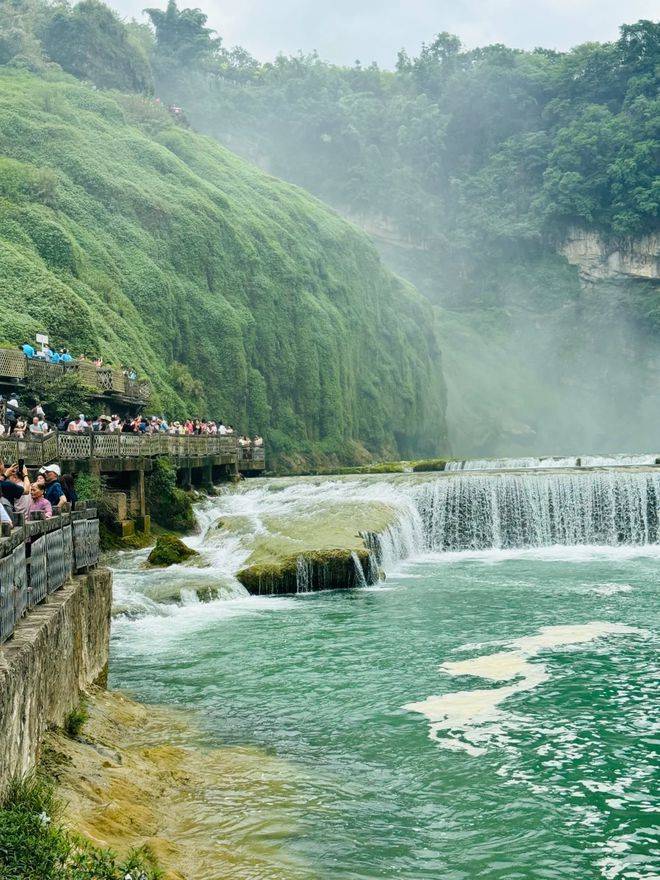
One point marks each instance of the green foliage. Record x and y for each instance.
(169, 550)
(76, 720)
(60, 393)
(169, 506)
(455, 145)
(239, 296)
(34, 843)
(89, 487)
(182, 38)
(91, 42)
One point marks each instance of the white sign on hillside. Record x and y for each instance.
(42, 338)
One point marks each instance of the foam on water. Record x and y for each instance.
(469, 720)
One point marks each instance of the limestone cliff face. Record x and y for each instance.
(612, 259)
(58, 650)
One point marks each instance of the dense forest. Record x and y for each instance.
(468, 167)
(125, 234)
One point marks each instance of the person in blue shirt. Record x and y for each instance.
(54, 357)
(28, 350)
(65, 357)
(54, 491)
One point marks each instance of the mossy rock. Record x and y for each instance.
(318, 569)
(430, 464)
(170, 550)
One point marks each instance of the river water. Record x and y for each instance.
(490, 710)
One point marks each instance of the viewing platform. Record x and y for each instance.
(120, 451)
(102, 382)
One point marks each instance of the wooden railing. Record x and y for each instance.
(38, 557)
(102, 380)
(36, 450)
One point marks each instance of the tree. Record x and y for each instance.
(182, 38)
(91, 42)
(61, 393)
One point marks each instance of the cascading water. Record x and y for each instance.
(360, 578)
(585, 461)
(517, 511)
(303, 575)
(502, 464)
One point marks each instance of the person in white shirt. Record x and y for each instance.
(221, 429)
(36, 426)
(81, 423)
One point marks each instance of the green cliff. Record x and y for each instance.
(125, 234)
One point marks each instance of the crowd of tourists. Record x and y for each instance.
(21, 424)
(49, 491)
(63, 356)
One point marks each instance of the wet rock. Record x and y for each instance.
(310, 571)
(170, 550)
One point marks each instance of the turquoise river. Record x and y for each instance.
(489, 710)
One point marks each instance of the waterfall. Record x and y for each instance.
(502, 511)
(360, 579)
(588, 461)
(303, 575)
(503, 464)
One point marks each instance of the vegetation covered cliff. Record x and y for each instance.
(125, 234)
(482, 175)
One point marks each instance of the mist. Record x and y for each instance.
(473, 170)
(375, 31)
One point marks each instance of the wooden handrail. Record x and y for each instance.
(38, 450)
(104, 380)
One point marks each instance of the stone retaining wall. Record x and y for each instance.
(57, 650)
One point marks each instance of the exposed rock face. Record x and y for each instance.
(58, 650)
(599, 258)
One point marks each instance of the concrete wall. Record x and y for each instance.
(56, 652)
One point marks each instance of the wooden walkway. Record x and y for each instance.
(101, 381)
(185, 451)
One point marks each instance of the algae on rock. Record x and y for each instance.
(170, 550)
(338, 569)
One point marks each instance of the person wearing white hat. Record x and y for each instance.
(54, 491)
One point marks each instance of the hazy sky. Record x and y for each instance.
(345, 30)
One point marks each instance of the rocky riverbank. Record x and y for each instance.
(131, 778)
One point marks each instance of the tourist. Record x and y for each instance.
(54, 492)
(38, 502)
(38, 410)
(5, 516)
(65, 357)
(244, 442)
(67, 481)
(10, 489)
(21, 479)
(257, 441)
(222, 430)
(28, 350)
(71, 427)
(36, 426)
(115, 424)
(19, 429)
